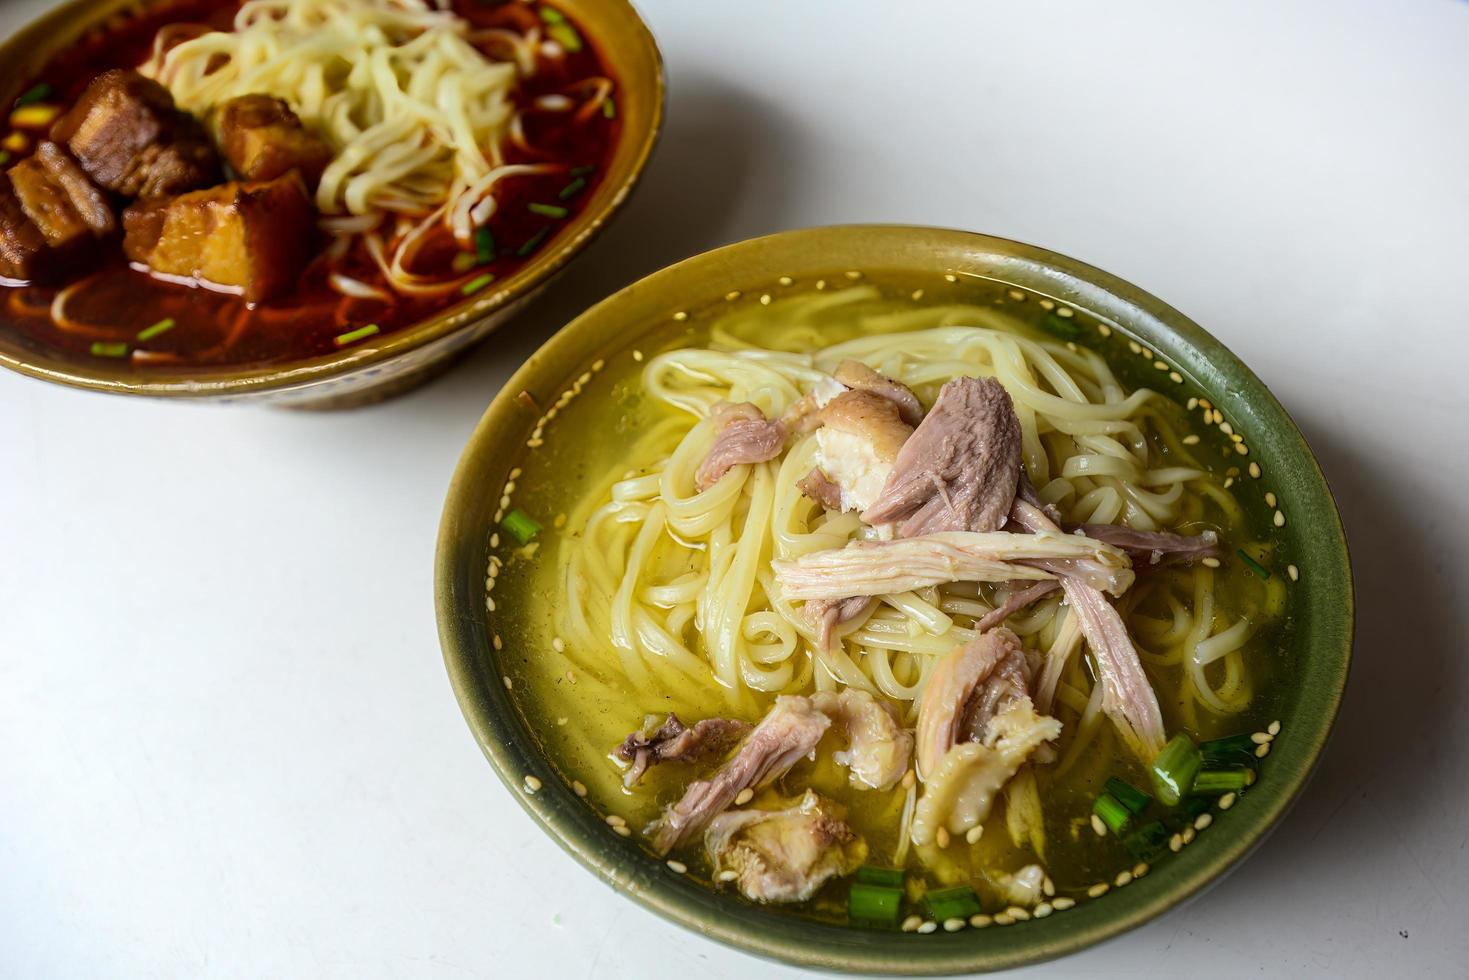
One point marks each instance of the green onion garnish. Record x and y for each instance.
(4, 157)
(1064, 327)
(477, 283)
(463, 262)
(885, 877)
(565, 35)
(103, 348)
(952, 903)
(521, 525)
(342, 340)
(1217, 782)
(1128, 795)
(1254, 566)
(1235, 750)
(1148, 841)
(548, 210)
(570, 189)
(873, 903)
(484, 244)
(1174, 770)
(532, 242)
(609, 108)
(552, 16)
(34, 94)
(583, 170)
(1112, 813)
(162, 326)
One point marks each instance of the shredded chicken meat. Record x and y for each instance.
(674, 742)
(784, 855)
(742, 434)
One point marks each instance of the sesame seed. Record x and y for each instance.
(490, 603)
(1203, 820)
(785, 280)
(508, 682)
(499, 644)
(1280, 518)
(728, 875)
(1228, 482)
(1098, 890)
(578, 787)
(1175, 377)
(559, 645)
(615, 821)
(951, 277)
(1193, 403)
(745, 796)
(1219, 419)
(1225, 427)
(1017, 296)
(532, 784)
(1260, 738)
(495, 540)
(1293, 572)
(1140, 870)
(562, 721)
(571, 677)
(1161, 366)
(853, 274)
(1269, 499)
(1206, 403)
(536, 442)
(1047, 304)
(1211, 562)
(677, 867)
(942, 837)
(1123, 879)
(637, 355)
(1190, 440)
(1175, 843)
(1048, 886)
(490, 583)
(979, 920)
(680, 316)
(910, 779)
(917, 294)
(973, 834)
(1017, 913)
(1065, 311)
(1188, 835)
(764, 299)
(1236, 437)
(1274, 727)
(1043, 909)
(927, 926)
(1227, 800)
(1098, 826)
(732, 295)
(1063, 903)
(912, 923)
(1104, 330)
(1004, 920)
(622, 831)
(598, 364)
(1134, 347)
(954, 925)
(821, 284)
(1262, 751)
(1255, 470)
(1242, 449)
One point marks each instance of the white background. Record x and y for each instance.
(227, 743)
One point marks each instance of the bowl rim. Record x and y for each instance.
(621, 864)
(231, 381)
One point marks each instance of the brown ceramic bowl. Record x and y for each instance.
(370, 371)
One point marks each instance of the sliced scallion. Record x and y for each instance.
(521, 525)
(583, 170)
(565, 35)
(484, 244)
(609, 108)
(1217, 782)
(352, 336)
(533, 241)
(1174, 770)
(952, 903)
(1148, 841)
(4, 157)
(1128, 795)
(552, 16)
(548, 210)
(570, 190)
(1112, 813)
(1253, 565)
(1233, 750)
(885, 877)
(105, 348)
(162, 326)
(36, 93)
(477, 283)
(873, 903)
(463, 262)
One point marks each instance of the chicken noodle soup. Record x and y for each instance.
(891, 601)
(215, 183)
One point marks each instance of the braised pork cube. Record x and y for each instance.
(129, 136)
(247, 237)
(51, 217)
(263, 139)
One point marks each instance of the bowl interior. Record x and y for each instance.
(625, 44)
(1311, 539)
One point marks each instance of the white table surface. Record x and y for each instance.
(228, 747)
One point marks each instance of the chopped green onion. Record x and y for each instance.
(552, 16)
(872, 903)
(162, 326)
(1217, 782)
(583, 170)
(548, 210)
(1112, 813)
(1128, 795)
(1148, 841)
(484, 244)
(1064, 327)
(952, 903)
(1174, 769)
(1235, 750)
(4, 157)
(521, 525)
(477, 283)
(609, 108)
(1255, 566)
(886, 877)
(463, 262)
(103, 348)
(565, 35)
(37, 93)
(351, 336)
(570, 189)
(532, 242)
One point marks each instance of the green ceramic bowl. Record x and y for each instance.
(369, 371)
(1311, 539)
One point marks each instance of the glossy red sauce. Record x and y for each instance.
(214, 329)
